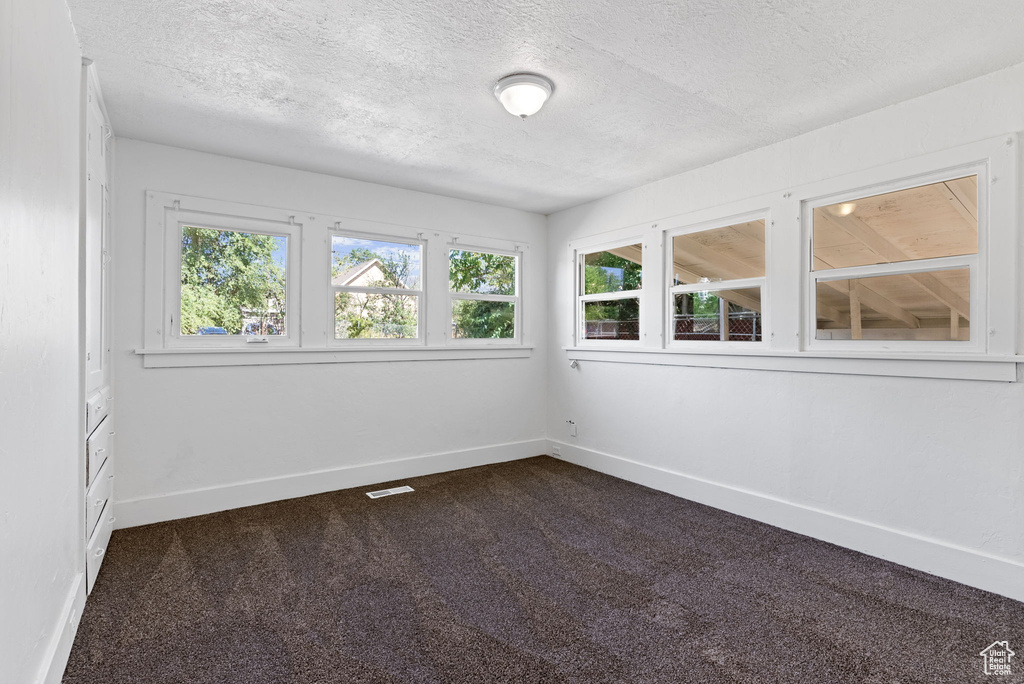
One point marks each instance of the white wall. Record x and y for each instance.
(41, 491)
(191, 440)
(927, 472)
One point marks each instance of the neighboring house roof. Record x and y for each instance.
(363, 271)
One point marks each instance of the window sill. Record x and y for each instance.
(189, 358)
(945, 366)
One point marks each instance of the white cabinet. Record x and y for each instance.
(95, 254)
(97, 497)
(99, 446)
(96, 549)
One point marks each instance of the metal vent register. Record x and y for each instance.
(388, 492)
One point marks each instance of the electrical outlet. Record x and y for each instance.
(555, 451)
(572, 427)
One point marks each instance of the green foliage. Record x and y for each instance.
(365, 316)
(481, 319)
(704, 306)
(227, 276)
(482, 273)
(607, 272)
(613, 310)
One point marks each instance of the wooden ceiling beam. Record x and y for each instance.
(969, 203)
(824, 311)
(943, 293)
(870, 299)
(629, 252)
(746, 301)
(881, 246)
(733, 267)
(956, 199)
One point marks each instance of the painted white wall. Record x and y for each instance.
(939, 460)
(41, 491)
(234, 428)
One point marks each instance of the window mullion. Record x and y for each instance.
(652, 296)
(484, 297)
(898, 268)
(718, 285)
(376, 290)
(607, 296)
(312, 245)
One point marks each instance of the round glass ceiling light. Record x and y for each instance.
(523, 94)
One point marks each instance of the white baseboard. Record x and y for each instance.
(143, 511)
(56, 659)
(936, 557)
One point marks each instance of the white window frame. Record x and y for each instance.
(717, 285)
(580, 252)
(310, 302)
(516, 299)
(421, 293)
(789, 297)
(972, 262)
(991, 304)
(164, 329)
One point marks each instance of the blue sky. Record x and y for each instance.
(281, 251)
(342, 246)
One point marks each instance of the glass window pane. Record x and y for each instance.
(926, 222)
(614, 270)
(725, 315)
(482, 272)
(232, 283)
(483, 319)
(728, 253)
(617, 319)
(916, 306)
(361, 315)
(356, 262)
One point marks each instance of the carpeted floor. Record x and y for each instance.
(532, 571)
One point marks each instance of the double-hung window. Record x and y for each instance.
(229, 280)
(483, 296)
(906, 269)
(376, 288)
(717, 282)
(239, 284)
(610, 286)
(899, 266)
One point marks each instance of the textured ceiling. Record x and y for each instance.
(399, 91)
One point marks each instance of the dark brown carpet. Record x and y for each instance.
(532, 571)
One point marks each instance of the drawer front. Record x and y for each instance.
(98, 449)
(96, 409)
(99, 496)
(97, 549)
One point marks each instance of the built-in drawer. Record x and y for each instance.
(99, 496)
(98, 448)
(97, 548)
(96, 408)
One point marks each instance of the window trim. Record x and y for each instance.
(580, 252)
(163, 325)
(421, 293)
(309, 299)
(761, 282)
(974, 262)
(788, 275)
(516, 299)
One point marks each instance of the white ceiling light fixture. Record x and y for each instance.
(523, 94)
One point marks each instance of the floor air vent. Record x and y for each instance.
(388, 492)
